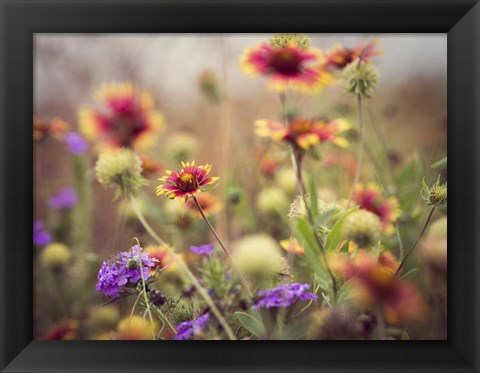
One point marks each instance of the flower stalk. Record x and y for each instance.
(224, 248)
(185, 269)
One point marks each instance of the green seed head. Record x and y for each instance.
(436, 195)
(361, 78)
(281, 40)
(121, 168)
(363, 228)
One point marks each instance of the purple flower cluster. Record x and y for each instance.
(122, 270)
(65, 198)
(202, 250)
(188, 329)
(75, 142)
(284, 295)
(41, 237)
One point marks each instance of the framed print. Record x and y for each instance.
(207, 194)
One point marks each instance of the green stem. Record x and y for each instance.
(242, 278)
(185, 269)
(427, 221)
(145, 298)
(360, 151)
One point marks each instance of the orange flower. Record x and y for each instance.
(304, 133)
(187, 182)
(63, 330)
(126, 118)
(289, 65)
(339, 56)
(374, 285)
(209, 203)
(150, 167)
(55, 128)
(369, 197)
(292, 245)
(161, 253)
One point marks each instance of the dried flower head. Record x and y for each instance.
(284, 39)
(361, 78)
(121, 168)
(186, 182)
(362, 227)
(436, 195)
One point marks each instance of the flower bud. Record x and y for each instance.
(436, 195)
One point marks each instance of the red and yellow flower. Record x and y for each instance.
(373, 285)
(127, 117)
(55, 128)
(292, 245)
(339, 56)
(289, 65)
(186, 182)
(209, 203)
(304, 133)
(369, 197)
(150, 167)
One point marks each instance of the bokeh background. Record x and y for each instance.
(409, 108)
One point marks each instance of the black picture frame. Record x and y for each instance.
(20, 19)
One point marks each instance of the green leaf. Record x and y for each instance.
(441, 164)
(326, 215)
(296, 330)
(250, 323)
(344, 293)
(312, 252)
(335, 235)
(376, 249)
(410, 274)
(344, 248)
(313, 197)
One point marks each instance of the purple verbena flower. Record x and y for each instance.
(41, 237)
(64, 199)
(284, 295)
(124, 269)
(75, 142)
(188, 329)
(202, 250)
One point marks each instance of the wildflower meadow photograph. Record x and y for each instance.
(280, 186)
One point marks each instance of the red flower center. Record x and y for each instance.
(285, 61)
(126, 128)
(187, 182)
